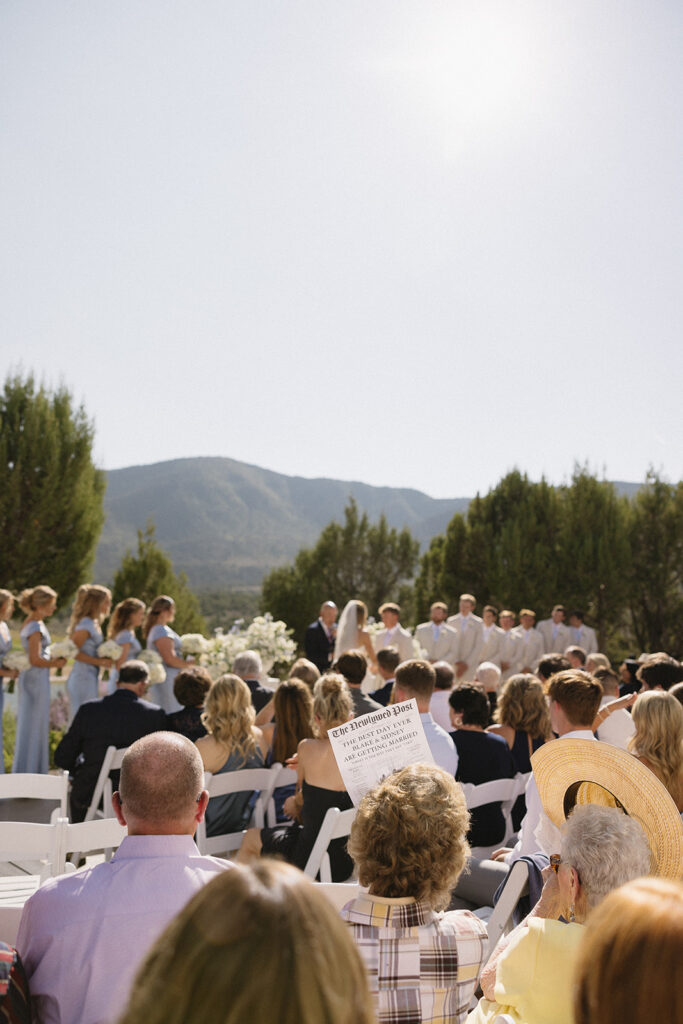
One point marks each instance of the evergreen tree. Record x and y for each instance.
(149, 573)
(51, 494)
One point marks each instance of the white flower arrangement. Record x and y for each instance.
(62, 649)
(272, 639)
(110, 649)
(219, 653)
(155, 665)
(16, 660)
(193, 644)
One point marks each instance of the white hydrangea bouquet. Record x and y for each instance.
(109, 649)
(193, 645)
(62, 649)
(219, 653)
(272, 639)
(155, 665)
(17, 660)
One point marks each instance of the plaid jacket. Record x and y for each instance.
(422, 966)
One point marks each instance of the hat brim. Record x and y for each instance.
(562, 768)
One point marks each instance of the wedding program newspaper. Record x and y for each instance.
(369, 748)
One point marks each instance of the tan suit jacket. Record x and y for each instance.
(491, 645)
(510, 651)
(470, 641)
(584, 637)
(443, 649)
(400, 639)
(530, 648)
(563, 636)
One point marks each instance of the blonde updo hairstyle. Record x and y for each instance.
(34, 598)
(229, 715)
(5, 597)
(332, 703)
(409, 836)
(90, 602)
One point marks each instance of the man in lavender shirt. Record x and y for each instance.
(83, 936)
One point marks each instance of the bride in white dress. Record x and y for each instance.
(352, 635)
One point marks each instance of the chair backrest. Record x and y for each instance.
(283, 777)
(85, 836)
(261, 780)
(28, 841)
(515, 887)
(30, 786)
(103, 788)
(336, 824)
(503, 791)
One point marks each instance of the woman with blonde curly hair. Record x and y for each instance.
(255, 944)
(233, 743)
(523, 720)
(658, 739)
(409, 845)
(319, 787)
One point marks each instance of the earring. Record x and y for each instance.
(572, 918)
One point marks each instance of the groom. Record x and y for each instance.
(319, 637)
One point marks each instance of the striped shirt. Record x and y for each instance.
(422, 966)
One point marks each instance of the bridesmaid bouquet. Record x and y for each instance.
(18, 661)
(193, 644)
(155, 664)
(109, 649)
(62, 649)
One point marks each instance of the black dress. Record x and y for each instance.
(483, 757)
(294, 842)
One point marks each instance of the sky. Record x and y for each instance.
(411, 244)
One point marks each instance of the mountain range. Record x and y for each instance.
(226, 523)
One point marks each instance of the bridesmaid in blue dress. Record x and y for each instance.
(32, 750)
(92, 604)
(161, 638)
(6, 609)
(125, 619)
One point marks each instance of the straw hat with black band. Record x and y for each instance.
(572, 771)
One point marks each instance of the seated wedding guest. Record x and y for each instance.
(628, 676)
(549, 665)
(257, 944)
(388, 660)
(301, 669)
(488, 676)
(596, 661)
(353, 665)
(293, 723)
(409, 847)
(576, 656)
(233, 743)
(522, 719)
(249, 667)
(659, 672)
(415, 679)
(82, 935)
(658, 739)
(319, 787)
(677, 692)
(114, 721)
(15, 1001)
(530, 973)
(615, 725)
(444, 682)
(482, 757)
(634, 937)
(190, 688)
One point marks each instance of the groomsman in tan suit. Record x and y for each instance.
(531, 641)
(582, 636)
(510, 650)
(393, 634)
(437, 640)
(468, 627)
(556, 635)
(492, 636)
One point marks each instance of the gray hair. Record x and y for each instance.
(248, 665)
(488, 675)
(606, 847)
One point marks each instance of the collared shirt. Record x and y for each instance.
(422, 966)
(440, 743)
(83, 936)
(527, 842)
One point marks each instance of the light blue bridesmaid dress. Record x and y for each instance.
(5, 648)
(125, 636)
(32, 750)
(82, 683)
(162, 693)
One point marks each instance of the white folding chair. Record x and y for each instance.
(103, 787)
(83, 837)
(503, 791)
(34, 849)
(261, 780)
(30, 786)
(283, 777)
(336, 824)
(500, 921)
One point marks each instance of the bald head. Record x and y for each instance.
(161, 778)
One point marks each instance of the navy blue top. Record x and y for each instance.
(483, 757)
